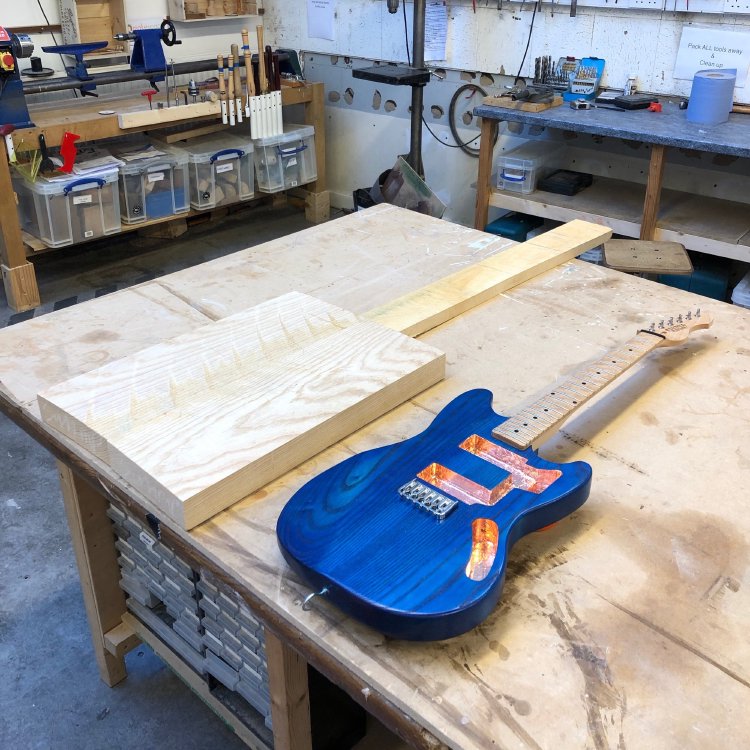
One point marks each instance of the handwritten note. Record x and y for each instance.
(703, 48)
(321, 15)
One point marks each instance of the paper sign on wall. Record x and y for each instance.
(436, 31)
(703, 48)
(320, 19)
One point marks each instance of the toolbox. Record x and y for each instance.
(220, 169)
(518, 170)
(65, 211)
(286, 160)
(584, 81)
(565, 182)
(153, 183)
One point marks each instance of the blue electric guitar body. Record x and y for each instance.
(393, 563)
(413, 538)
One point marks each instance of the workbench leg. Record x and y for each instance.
(486, 147)
(290, 700)
(19, 278)
(94, 547)
(653, 191)
(317, 201)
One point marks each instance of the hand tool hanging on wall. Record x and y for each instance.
(222, 92)
(230, 89)
(237, 82)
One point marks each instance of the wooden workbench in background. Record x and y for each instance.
(82, 116)
(625, 625)
(657, 186)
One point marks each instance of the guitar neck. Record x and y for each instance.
(538, 421)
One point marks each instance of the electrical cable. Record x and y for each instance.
(52, 34)
(465, 147)
(528, 42)
(406, 34)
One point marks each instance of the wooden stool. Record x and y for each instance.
(647, 257)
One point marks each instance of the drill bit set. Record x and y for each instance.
(578, 78)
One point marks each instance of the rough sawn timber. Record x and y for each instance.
(200, 421)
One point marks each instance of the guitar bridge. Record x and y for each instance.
(428, 499)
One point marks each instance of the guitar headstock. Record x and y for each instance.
(675, 330)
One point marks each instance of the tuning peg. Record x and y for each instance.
(661, 324)
(671, 322)
(689, 315)
(679, 318)
(698, 313)
(652, 326)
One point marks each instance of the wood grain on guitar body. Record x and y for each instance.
(413, 538)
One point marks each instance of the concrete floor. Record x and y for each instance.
(50, 692)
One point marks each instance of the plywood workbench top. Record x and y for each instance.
(625, 625)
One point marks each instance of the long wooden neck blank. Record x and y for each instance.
(541, 419)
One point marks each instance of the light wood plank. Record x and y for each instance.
(437, 303)
(653, 191)
(198, 422)
(290, 700)
(486, 145)
(145, 117)
(92, 536)
(121, 640)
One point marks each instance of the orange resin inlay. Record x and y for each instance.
(462, 488)
(484, 540)
(523, 476)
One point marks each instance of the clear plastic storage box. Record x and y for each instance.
(741, 293)
(518, 170)
(220, 169)
(152, 187)
(287, 160)
(60, 213)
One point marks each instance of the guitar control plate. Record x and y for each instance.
(428, 499)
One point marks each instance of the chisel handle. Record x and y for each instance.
(261, 61)
(250, 77)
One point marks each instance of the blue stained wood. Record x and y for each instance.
(397, 567)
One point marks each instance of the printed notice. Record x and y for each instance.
(702, 48)
(435, 31)
(320, 19)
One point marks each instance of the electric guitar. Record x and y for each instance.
(413, 538)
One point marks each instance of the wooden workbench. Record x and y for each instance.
(657, 188)
(625, 625)
(81, 116)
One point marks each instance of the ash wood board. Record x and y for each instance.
(199, 422)
(418, 312)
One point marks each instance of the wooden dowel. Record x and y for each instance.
(249, 77)
(261, 61)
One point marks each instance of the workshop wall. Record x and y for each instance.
(365, 140)
(361, 145)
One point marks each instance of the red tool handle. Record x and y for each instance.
(149, 93)
(68, 151)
